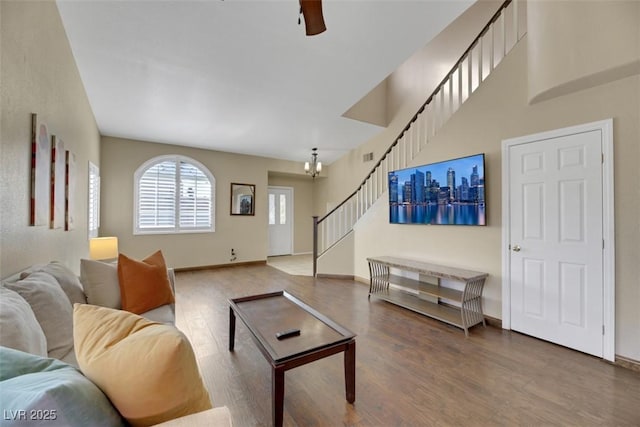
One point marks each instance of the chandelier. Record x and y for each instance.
(314, 167)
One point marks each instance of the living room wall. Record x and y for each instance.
(247, 235)
(39, 75)
(500, 110)
(406, 89)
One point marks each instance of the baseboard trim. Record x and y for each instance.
(213, 267)
(625, 362)
(361, 279)
(334, 276)
(493, 321)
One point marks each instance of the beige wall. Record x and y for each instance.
(405, 91)
(497, 111)
(339, 260)
(39, 75)
(569, 49)
(247, 235)
(303, 187)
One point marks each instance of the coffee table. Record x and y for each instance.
(267, 314)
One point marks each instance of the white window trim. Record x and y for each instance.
(174, 230)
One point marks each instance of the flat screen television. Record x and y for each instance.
(451, 192)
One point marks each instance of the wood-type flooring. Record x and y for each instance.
(410, 370)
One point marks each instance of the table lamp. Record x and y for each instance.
(103, 248)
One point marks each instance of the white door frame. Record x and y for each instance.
(608, 221)
(291, 211)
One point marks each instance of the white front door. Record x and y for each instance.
(556, 239)
(280, 220)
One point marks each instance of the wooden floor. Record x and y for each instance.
(410, 370)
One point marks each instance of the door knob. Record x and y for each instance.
(516, 248)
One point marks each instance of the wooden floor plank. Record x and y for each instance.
(410, 370)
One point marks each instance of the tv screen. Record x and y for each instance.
(450, 193)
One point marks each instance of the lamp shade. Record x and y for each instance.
(103, 248)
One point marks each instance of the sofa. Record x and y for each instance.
(69, 350)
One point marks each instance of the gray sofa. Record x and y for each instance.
(36, 315)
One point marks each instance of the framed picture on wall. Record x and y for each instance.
(242, 199)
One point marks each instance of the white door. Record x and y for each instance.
(556, 240)
(280, 220)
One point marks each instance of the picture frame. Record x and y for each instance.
(243, 199)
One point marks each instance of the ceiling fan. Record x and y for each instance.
(313, 19)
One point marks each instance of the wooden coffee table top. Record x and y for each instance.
(266, 314)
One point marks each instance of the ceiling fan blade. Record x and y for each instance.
(313, 19)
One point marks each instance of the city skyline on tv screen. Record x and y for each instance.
(450, 192)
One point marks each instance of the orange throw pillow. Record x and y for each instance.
(144, 285)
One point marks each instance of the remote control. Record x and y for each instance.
(287, 334)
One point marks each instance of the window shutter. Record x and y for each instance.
(195, 197)
(174, 194)
(94, 200)
(157, 197)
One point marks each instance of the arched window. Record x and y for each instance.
(173, 194)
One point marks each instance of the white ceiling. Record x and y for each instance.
(240, 75)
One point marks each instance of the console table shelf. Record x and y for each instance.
(426, 298)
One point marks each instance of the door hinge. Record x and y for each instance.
(602, 329)
(602, 158)
(602, 243)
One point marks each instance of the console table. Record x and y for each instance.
(427, 298)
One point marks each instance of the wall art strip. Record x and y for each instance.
(58, 173)
(70, 191)
(40, 176)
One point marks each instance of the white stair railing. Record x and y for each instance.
(495, 41)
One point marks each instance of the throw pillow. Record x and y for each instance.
(19, 328)
(40, 391)
(100, 282)
(147, 369)
(51, 308)
(67, 280)
(144, 285)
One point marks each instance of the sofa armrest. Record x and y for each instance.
(213, 417)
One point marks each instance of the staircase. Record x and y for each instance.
(495, 41)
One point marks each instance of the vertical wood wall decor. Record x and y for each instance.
(40, 175)
(70, 189)
(58, 172)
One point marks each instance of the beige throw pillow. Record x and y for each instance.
(51, 308)
(147, 369)
(100, 282)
